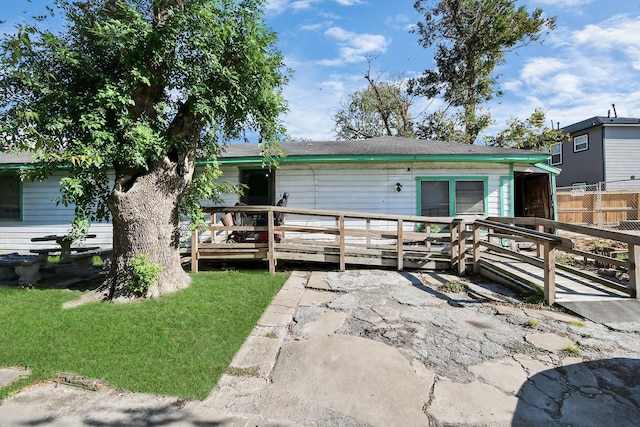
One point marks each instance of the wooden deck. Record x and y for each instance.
(393, 241)
(313, 235)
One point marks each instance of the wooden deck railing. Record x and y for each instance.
(343, 238)
(401, 241)
(546, 235)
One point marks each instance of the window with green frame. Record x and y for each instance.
(451, 196)
(10, 197)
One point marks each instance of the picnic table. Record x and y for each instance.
(65, 242)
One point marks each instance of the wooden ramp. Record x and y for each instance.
(578, 294)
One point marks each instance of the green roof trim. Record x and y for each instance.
(476, 158)
(546, 167)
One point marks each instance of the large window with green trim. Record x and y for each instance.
(9, 197)
(451, 196)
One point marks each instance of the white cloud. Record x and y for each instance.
(315, 27)
(280, 6)
(400, 22)
(564, 3)
(587, 70)
(348, 2)
(354, 47)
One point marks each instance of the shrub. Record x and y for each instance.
(143, 274)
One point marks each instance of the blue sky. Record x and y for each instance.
(592, 59)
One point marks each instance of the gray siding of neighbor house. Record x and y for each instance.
(622, 160)
(583, 166)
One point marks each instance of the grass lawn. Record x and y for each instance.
(176, 345)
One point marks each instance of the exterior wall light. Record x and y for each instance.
(398, 187)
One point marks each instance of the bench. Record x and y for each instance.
(83, 260)
(25, 267)
(44, 254)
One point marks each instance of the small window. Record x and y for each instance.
(9, 198)
(581, 143)
(435, 198)
(469, 197)
(579, 185)
(556, 154)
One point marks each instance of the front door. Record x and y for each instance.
(259, 186)
(533, 195)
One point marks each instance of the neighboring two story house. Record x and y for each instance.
(599, 149)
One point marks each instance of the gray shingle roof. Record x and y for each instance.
(381, 146)
(601, 121)
(16, 158)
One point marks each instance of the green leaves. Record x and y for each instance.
(471, 39)
(138, 84)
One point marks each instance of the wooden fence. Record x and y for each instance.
(611, 207)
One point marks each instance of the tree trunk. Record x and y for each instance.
(145, 221)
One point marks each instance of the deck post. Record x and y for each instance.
(476, 248)
(454, 236)
(341, 236)
(271, 251)
(194, 251)
(549, 273)
(634, 270)
(539, 245)
(399, 245)
(462, 247)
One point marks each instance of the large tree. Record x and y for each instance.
(531, 133)
(471, 38)
(140, 88)
(382, 108)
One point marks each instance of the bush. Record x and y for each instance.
(143, 274)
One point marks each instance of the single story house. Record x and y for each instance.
(381, 175)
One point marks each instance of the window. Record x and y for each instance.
(435, 198)
(556, 154)
(579, 185)
(469, 197)
(9, 197)
(580, 143)
(452, 196)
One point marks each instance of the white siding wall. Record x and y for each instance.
(622, 151)
(371, 188)
(348, 187)
(41, 217)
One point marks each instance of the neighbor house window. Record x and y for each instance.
(581, 143)
(452, 196)
(9, 197)
(556, 154)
